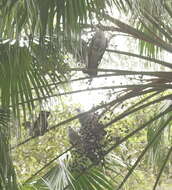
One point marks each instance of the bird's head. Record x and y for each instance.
(99, 33)
(69, 128)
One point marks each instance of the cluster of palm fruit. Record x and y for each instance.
(90, 138)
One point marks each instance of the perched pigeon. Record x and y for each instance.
(82, 52)
(84, 117)
(96, 50)
(74, 138)
(41, 124)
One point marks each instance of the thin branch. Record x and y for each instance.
(77, 79)
(144, 100)
(23, 142)
(133, 106)
(114, 171)
(119, 72)
(125, 28)
(164, 63)
(156, 86)
(132, 86)
(124, 114)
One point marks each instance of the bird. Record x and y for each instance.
(81, 117)
(28, 126)
(73, 136)
(84, 118)
(82, 52)
(41, 124)
(96, 51)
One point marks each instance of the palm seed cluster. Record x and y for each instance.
(89, 140)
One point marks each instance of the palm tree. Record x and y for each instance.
(33, 38)
(35, 34)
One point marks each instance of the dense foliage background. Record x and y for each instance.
(41, 64)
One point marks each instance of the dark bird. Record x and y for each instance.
(84, 117)
(41, 124)
(82, 52)
(96, 50)
(28, 126)
(74, 138)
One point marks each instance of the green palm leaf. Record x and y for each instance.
(62, 177)
(7, 173)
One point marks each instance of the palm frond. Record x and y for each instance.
(7, 173)
(158, 149)
(162, 168)
(62, 177)
(25, 76)
(144, 151)
(46, 17)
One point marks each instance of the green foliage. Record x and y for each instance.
(37, 39)
(46, 17)
(24, 75)
(61, 177)
(7, 173)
